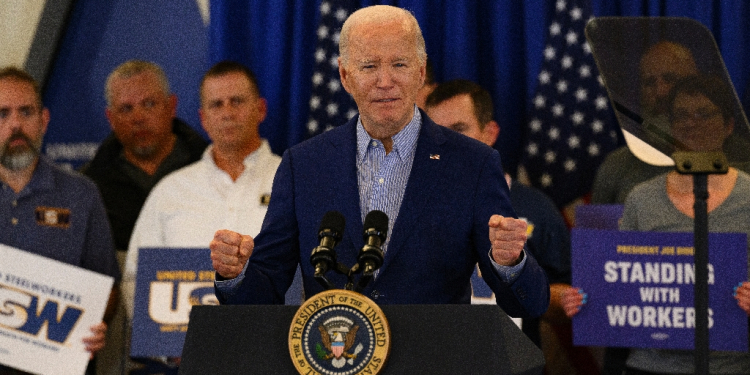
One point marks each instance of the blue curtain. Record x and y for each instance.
(497, 43)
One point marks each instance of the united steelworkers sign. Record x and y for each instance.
(46, 309)
(169, 282)
(640, 288)
(339, 332)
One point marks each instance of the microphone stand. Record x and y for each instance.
(700, 165)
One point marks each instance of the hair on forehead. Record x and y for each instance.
(382, 14)
(480, 98)
(225, 67)
(133, 68)
(712, 87)
(20, 75)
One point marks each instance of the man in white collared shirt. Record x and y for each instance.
(230, 186)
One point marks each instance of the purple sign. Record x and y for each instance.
(599, 216)
(640, 289)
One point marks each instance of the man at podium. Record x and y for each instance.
(444, 193)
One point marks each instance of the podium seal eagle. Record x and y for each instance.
(339, 332)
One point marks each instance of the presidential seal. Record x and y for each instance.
(339, 332)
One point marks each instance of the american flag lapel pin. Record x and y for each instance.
(435, 156)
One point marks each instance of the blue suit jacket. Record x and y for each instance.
(440, 234)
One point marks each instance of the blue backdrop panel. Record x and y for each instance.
(102, 35)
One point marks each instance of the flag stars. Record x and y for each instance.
(334, 86)
(554, 29)
(566, 62)
(312, 126)
(597, 126)
(532, 149)
(314, 102)
(325, 8)
(577, 118)
(332, 109)
(351, 113)
(550, 156)
(554, 133)
(322, 32)
(562, 86)
(341, 15)
(600, 102)
(576, 14)
(317, 79)
(320, 55)
(334, 61)
(549, 53)
(593, 149)
(571, 38)
(584, 71)
(586, 48)
(544, 77)
(560, 5)
(535, 125)
(569, 165)
(558, 109)
(581, 94)
(539, 101)
(545, 180)
(574, 142)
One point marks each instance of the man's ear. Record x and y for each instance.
(344, 75)
(490, 133)
(172, 103)
(45, 120)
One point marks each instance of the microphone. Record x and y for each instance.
(330, 233)
(376, 229)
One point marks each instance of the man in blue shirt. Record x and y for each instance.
(443, 193)
(46, 210)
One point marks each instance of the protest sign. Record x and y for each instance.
(640, 288)
(47, 307)
(169, 282)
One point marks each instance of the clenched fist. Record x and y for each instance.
(508, 236)
(229, 252)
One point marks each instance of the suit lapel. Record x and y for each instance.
(347, 186)
(425, 173)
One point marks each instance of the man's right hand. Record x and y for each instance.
(229, 252)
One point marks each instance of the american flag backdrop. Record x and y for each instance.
(330, 104)
(571, 126)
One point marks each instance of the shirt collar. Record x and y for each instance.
(43, 178)
(249, 160)
(404, 141)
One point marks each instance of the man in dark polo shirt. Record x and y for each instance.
(44, 209)
(147, 143)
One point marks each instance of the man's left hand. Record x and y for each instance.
(96, 341)
(508, 236)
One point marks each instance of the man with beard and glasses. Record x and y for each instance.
(81, 235)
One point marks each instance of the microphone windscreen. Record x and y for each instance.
(334, 221)
(379, 221)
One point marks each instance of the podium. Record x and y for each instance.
(426, 339)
